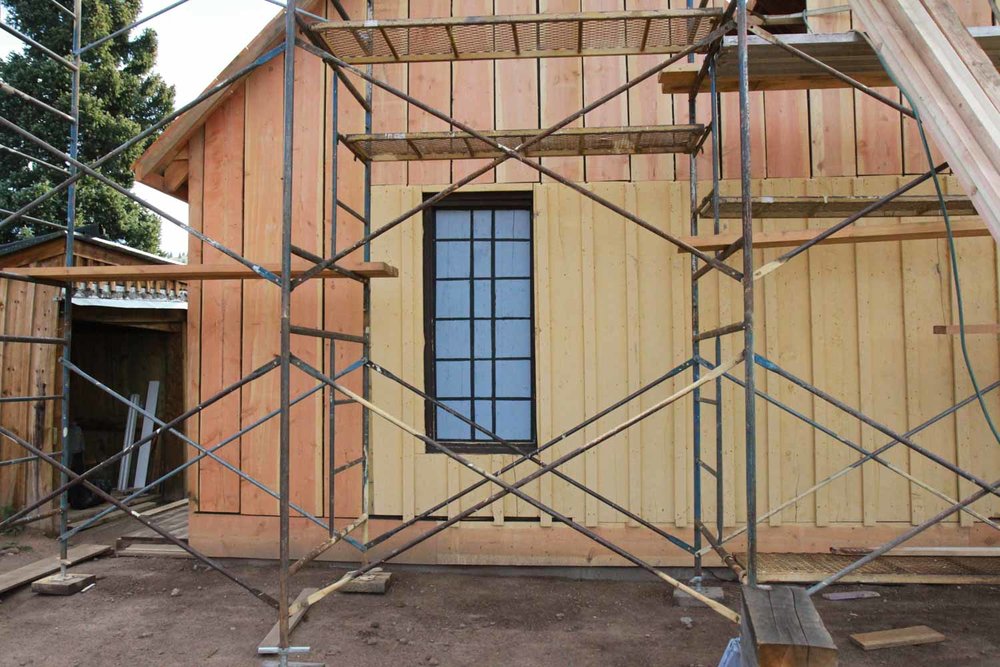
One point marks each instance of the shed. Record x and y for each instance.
(125, 335)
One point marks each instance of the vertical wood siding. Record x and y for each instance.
(613, 304)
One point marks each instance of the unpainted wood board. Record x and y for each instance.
(516, 96)
(601, 76)
(393, 112)
(610, 366)
(28, 573)
(430, 83)
(16, 358)
(269, 644)
(192, 327)
(261, 302)
(561, 93)
(221, 306)
(647, 107)
(472, 92)
(787, 124)
(831, 112)
(835, 338)
(307, 418)
(911, 636)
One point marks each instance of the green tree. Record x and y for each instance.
(120, 96)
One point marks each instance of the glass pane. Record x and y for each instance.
(482, 265)
(514, 420)
(482, 224)
(452, 259)
(484, 299)
(453, 379)
(451, 340)
(513, 224)
(513, 379)
(483, 417)
(513, 259)
(452, 224)
(513, 298)
(513, 338)
(452, 299)
(484, 379)
(483, 347)
(450, 427)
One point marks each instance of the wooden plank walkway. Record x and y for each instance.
(23, 576)
(810, 568)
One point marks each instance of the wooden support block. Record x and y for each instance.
(373, 583)
(269, 645)
(912, 636)
(34, 571)
(58, 584)
(780, 627)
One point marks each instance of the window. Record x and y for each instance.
(479, 321)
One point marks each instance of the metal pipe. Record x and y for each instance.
(515, 488)
(857, 414)
(32, 158)
(695, 345)
(29, 399)
(508, 152)
(225, 464)
(128, 28)
(143, 441)
(41, 47)
(47, 223)
(285, 430)
(866, 456)
(215, 448)
(716, 177)
(142, 136)
(107, 497)
(67, 314)
(496, 439)
(76, 164)
(23, 459)
(677, 370)
(366, 299)
(331, 508)
(329, 335)
(911, 533)
(830, 231)
(719, 332)
(335, 537)
(750, 444)
(34, 340)
(837, 74)
(727, 558)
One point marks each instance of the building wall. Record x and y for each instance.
(612, 307)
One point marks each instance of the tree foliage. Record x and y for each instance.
(120, 95)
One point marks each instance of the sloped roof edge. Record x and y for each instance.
(150, 167)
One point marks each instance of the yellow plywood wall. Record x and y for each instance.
(613, 311)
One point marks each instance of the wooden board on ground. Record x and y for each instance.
(373, 583)
(173, 520)
(154, 551)
(912, 636)
(269, 645)
(34, 571)
(781, 627)
(889, 569)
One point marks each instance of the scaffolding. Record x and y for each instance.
(353, 47)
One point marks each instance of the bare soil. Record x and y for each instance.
(131, 619)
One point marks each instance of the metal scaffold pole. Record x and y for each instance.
(750, 415)
(74, 148)
(284, 443)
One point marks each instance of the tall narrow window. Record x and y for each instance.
(480, 347)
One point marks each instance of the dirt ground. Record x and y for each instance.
(130, 618)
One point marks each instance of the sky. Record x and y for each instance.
(197, 40)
